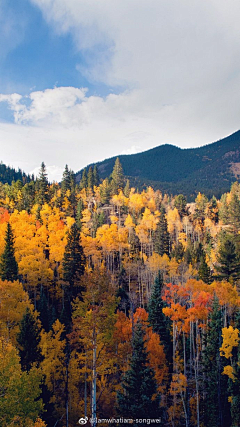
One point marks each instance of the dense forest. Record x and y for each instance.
(8, 174)
(118, 306)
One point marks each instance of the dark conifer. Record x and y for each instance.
(215, 406)
(234, 213)
(117, 176)
(138, 399)
(42, 186)
(44, 311)
(74, 259)
(73, 268)
(105, 191)
(127, 189)
(84, 181)
(204, 271)
(180, 203)
(28, 341)
(161, 235)
(8, 263)
(159, 322)
(95, 176)
(66, 180)
(90, 178)
(80, 207)
(228, 267)
(234, 386)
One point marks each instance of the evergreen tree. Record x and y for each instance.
(215, 406)
(74, 259)
(84, 181)
(28, 341)
(234, 386)
(223, 211)
(8, 263)
(138, 399)
(229, 262)
(156, 318)
(95, 176)
(161, 235)
(80, 207)
(44, 311)
(117, 176)
(178, 251)
(90, 178)
(234, 213)
(212, 210)
(42, 186)
(73, 268)
(66, 180)
(180, 203)
(105, 190)
(127, 189)
(204, 271)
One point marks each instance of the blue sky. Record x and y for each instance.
(82, 80)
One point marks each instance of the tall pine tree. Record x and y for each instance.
(28, 341)
(215, 406)
(139, 397)
(228, 267)
(73, 268)
(117, 176)
(161, 235)
(159, 322)
(42, 186)
(8, 263)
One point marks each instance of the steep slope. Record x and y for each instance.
(210, 169)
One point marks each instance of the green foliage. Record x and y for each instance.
(19, 391)
(8, 263)
(138, 399)
(161, 235)
(42, 195)
(159, 322)
(28, 341)
(95, 176)
(234, 213)
(215, 406)
(73, 269)
(84, 182)
(74, 260)
(204, 271)
(174, 170)
(44, 311)
(7, 175)
(228, 260)
(180, 203)
(90, 181)
(117, 176)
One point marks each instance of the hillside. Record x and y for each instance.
(210, 169)
(8, 174)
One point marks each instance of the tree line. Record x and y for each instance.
(116, 303)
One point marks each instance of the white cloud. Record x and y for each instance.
(178, 62)
(54, 173)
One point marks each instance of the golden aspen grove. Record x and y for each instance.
(118, 306)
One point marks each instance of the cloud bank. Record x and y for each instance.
(173, 68)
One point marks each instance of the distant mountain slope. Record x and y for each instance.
(8, 174)
(210, 169)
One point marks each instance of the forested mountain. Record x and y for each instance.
(118, 304)
(210, 169)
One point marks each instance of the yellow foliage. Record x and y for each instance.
(230, 340)
(229, 371)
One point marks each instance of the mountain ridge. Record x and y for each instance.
(211, 168)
